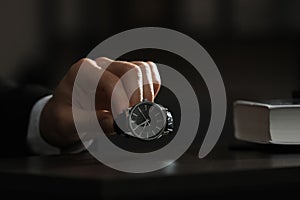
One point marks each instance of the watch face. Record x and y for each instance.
(147, 120)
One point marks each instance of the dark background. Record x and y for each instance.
(254, 43)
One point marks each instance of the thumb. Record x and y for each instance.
(85, 122)
(106, 121)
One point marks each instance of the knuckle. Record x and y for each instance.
(83, 61)
(103, 59)
(137, 70)
(151, 63)
(75, 68)
(87, 66)
(152, 66)
(155, 72)
(108, 82)
(79, 63)
(131, 67)
(145, 66)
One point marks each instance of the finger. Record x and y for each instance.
(155, 77)
(111, 93)
(130, 75)
(89, 73)
(148, 91)
(106, 121)
(91, 76)
(85, 120)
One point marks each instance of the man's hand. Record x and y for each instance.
(142, 81)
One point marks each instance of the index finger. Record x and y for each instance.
(155, 77)
(130, 75)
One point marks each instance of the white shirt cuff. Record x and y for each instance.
(34, 139)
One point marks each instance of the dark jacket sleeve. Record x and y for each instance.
(16, 104)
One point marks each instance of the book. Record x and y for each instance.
(274, 121)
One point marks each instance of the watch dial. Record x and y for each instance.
(147, 120)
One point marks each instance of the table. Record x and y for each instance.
(227, 172)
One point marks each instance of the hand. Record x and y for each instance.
(56, 123)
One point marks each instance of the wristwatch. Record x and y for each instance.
(145, 121)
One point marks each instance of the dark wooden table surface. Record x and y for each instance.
(227, 172)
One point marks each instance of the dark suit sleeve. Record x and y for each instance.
(16, 104)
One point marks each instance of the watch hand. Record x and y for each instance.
(142, 130)
(141, 124)
(142, 113)
(148, 124)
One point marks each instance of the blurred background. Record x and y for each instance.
(255, 43)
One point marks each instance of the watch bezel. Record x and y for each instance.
(163, 111)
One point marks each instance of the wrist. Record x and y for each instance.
(35, 142)
(53, 128)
